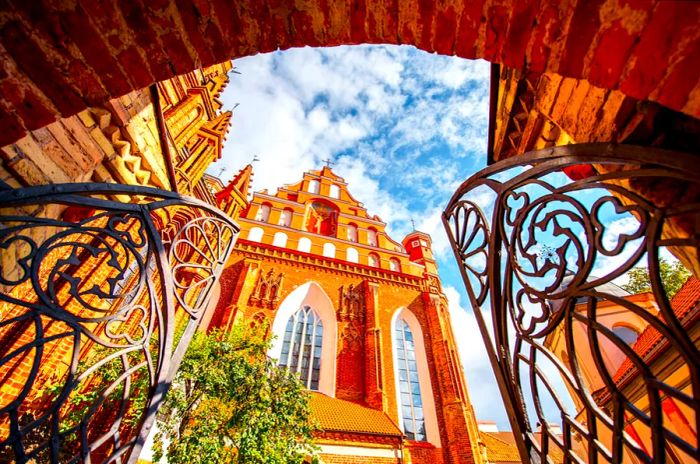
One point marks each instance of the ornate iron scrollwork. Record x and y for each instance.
(541, 265)
(98, 302)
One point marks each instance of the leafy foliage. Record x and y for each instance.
(673, 276)
(230, 403)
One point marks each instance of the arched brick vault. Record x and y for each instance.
(59, 56)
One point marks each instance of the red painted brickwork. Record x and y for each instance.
(61, 56)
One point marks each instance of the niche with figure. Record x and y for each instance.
(322, 218)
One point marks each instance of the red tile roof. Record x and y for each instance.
(334, 415)
(500, 450)
(682, 303)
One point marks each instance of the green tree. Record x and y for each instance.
(673, 276)
(230, 403)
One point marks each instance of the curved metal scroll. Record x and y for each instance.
(588, 372)
(95, 296)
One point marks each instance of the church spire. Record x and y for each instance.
(243, 179)
(220, 124)
(240, 184)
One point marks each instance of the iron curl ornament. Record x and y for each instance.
(587, 371)
(101, 289)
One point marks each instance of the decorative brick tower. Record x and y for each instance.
(359, 316)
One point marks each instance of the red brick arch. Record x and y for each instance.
(59, 57)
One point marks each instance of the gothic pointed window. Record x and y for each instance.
(409, 385)
(301, 348)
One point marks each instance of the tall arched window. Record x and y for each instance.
(373, 260)
(409, 385)
(417, 415)
(301, 348)
(352, 232)
(309, 330)
(335, 191)
(263, 212)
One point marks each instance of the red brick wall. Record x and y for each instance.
(59, 57)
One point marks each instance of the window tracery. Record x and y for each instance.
(301, 348)
(409, 385)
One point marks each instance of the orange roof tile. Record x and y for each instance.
(682, 303)
(501, 448)
(334, 415)
(498, 450)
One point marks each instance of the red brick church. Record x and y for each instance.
(361, 318)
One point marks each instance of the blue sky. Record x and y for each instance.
(403, 127)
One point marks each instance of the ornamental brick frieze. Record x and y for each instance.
(351, 303)
(267, 289)
(292, 259)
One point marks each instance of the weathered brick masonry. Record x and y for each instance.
(59, 57)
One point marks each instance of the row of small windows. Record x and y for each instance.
(301, 353)
(322, 219)
(315, 188)
(329, 251)
(263, 215)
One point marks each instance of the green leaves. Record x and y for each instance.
(230, 403)
(673, 276)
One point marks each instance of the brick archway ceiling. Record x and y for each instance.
(63, 56)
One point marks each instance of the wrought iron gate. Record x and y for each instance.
(101, 287)
(588, 372)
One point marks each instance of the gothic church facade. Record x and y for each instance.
(360, 317)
